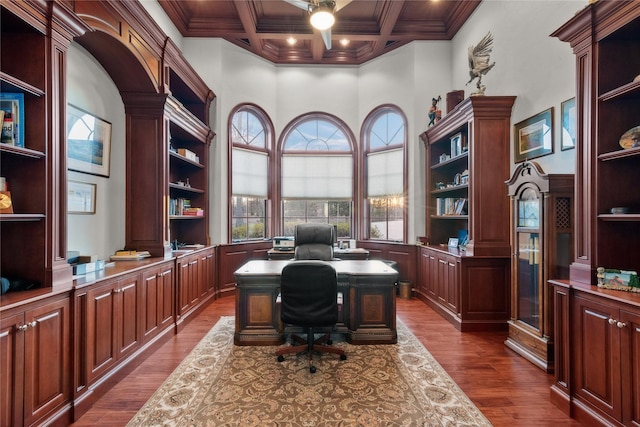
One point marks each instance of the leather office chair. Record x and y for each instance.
(314, 241)
(308, 291)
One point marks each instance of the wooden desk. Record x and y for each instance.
(367, 316)
(344, 254)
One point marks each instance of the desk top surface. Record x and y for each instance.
(336, 251)
(360, 267)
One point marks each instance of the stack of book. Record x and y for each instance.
(193, 211)
(130, 255)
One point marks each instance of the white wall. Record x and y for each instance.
(538, 69)
(90, 88)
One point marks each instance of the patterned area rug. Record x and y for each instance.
(378, 385)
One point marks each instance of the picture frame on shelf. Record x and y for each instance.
(533, 137)
(12, 112)
(88, 142)
(453, 242)
(568, 116)
(456, 144)
(81, 197)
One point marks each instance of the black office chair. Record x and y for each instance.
(308, 292)
(314, 241)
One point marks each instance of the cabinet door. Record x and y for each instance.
(452, 282)
(596, 370)
(630, 358)
(11, 370)
(127, 316)
(157, 297)
(47, 373)
(187, 283)
(101, 346)
(423, 277)
(432, 290)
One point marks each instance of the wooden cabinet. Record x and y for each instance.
(113, 324)
(35, 361)
(595, 330)
(541, 229)
(599, 358)
(195, 281)
(467, 158)
(158, 298)
(32, 236)
(605, 37)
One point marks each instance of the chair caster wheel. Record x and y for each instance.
(312, 369)
(280, 358)
(343, 357)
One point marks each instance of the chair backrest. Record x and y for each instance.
(314, 241)
(308, 291)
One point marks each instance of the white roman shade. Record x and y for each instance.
(385, 173)
(250, 173)
(317, 176)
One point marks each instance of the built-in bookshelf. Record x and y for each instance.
(464, 265)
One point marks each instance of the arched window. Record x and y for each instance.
(385, 136)
(250, 142)
(317, 173)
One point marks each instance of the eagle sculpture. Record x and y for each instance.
(479, 62)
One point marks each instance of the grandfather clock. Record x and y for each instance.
(542, 249)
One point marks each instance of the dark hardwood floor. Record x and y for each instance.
(508, 389)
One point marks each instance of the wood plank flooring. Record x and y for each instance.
(508, 389)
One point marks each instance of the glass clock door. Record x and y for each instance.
(528, 255)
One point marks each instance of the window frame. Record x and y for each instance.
(281, 152)
(268, 129)
(367, 127)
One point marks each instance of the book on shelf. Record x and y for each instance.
(451, 206)
(130, 255)
(12, 105)
(193, 212)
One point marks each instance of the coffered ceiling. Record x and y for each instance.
(370, 27)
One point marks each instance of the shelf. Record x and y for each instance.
(452, 161)
(629, 90)
(620, 217)
(8, 80)
(619, 154)
(185, 160)
(185, 189)
(450, 217)
(187, 217)
(21, 217)
(451, 189)
(21, 151)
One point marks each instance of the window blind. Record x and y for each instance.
(317, 176)
(250, 173)
(384, 173)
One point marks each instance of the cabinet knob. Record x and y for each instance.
(612, 321)
(621, 325)
(32, 324)
(23, 327)
(117, 291)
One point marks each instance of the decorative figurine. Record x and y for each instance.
(435, 113)
(479, 62)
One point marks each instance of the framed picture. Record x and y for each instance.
(81, 197)
(534, 137)
(456, 145)
(88, 142)
(568, 115)
(12, 118)
(453, 242)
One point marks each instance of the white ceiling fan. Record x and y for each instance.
(321, 14)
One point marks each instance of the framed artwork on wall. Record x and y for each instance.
(568, 117)
(81, 197)
(88, 142)
(533, 137)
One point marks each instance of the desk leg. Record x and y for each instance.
(372, 311)
(257, 317)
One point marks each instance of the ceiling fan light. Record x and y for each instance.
(322, 18)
